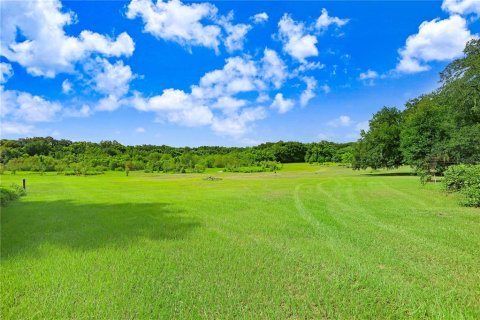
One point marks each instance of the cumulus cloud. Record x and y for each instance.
(368, 77)
(260, 17)
(235, 33)
(239, 74)
(281, 104)
(6, 72)
(324, 21)
(342, 121)
(325, 88)
(178, 22)
(369, 74)
(66, 86)
(228, 104)
(462, 7)
(299, 40)
(140, 130)
(177, 106)
(239, 123)
(109, 103)
(15, 128)
(296, 41)
(24, 107)
(214, 100)
(46, 49)
(112, 79)
(82, 112)
(273, 69)
(309, 92)
(436, 40)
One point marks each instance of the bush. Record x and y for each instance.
(18, 190)
(466, 180)
(7, 196)
(471, 196)
(12, 194)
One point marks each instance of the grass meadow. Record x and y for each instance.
(307, 242)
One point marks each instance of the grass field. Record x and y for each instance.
(308, 242)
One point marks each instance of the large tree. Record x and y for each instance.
(379, 147)
(443, 128)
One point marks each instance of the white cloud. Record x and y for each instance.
(224, 99)
(229, 104)
(24, 107)
(66, 86)
(369, 74)
(342, 121)
(324, 21)
(109, 103)
(436, 40)
(281, 104)
(35, 109)
(368, 77)
(112, 79)
(238, 75)
(235, 33)
(47, 50)
(15, 128)
(262, 97)
(82, 112)
(296, 41)
(140, 130)
(178, 22)
(6, 72)
(325, 88)
(238, 124)
(309, 93)
(273, 69)
(261, 17)
(462, 7)
(177, 106)
(307, 66)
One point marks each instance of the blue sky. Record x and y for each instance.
(222, 72)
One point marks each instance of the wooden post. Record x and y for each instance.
(24, 184)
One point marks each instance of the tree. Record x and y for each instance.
(425, 132)
(379, 147)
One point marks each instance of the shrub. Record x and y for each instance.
(12, 194)
(471, 196)
(466, 179)
(7, 196)
(18, 190)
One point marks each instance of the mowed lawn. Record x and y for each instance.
(307, 242)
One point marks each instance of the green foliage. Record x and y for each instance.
(11, 194)
(466, 180)
(7, 196)
(86, 158)
(435, 130)
(379, 147)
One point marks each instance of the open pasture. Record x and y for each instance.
(307, 242)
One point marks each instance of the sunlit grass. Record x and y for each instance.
(305, 242)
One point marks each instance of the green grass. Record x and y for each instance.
(306, 242)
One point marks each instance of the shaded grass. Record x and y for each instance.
(307, 242)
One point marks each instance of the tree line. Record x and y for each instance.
(433, 131)
(43, 154)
